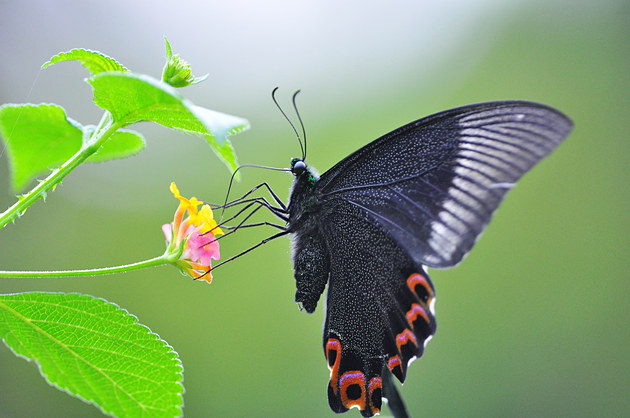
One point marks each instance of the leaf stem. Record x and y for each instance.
(152, 262)
(103, 131)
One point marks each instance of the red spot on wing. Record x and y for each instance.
(417, 279)
(351, 395)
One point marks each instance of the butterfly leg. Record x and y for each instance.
(255, 204)
(266, 240)
(262, 203)
(271, 192)
(281, 205)
(242, 224)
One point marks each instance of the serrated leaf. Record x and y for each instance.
(220, 124)
(37, 138)
(132, 98)
(123, 143)
(95, 351)
(95, 62)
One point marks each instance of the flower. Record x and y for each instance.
(191, 241)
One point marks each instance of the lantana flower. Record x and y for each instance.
(192, 239)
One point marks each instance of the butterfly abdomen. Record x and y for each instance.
(311, 264)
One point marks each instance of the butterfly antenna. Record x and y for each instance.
(273, 96)
(301, 123)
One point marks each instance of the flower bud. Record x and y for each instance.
(177, 72)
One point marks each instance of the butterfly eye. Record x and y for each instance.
(298, 167)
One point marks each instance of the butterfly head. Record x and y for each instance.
(304, 175)
(298, 166)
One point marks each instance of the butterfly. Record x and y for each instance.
(369, 227)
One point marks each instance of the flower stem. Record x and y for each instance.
(104, 130)
(152, 262)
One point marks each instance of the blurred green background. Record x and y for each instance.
(533, 323)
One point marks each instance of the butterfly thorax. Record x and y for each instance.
(303, 201)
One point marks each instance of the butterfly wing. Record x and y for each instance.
(420, 195)
(434, 184)
(379, 309)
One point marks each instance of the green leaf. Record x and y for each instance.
(225, 152)
(95, 62)
(41, 137)
(37, 138)
(95, 351)
(123, 143)
(132, 98)
(169, 51)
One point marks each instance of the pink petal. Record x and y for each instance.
(168, 232)
(203, 248)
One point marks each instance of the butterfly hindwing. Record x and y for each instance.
(435, 183)
(378, 311)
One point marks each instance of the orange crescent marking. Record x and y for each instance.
(375, 383)
(413, 313)
(418, 279)
(393, 363)
(404, 337)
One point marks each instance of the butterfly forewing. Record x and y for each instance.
(435, 183)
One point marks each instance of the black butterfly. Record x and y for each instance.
(417, 197)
